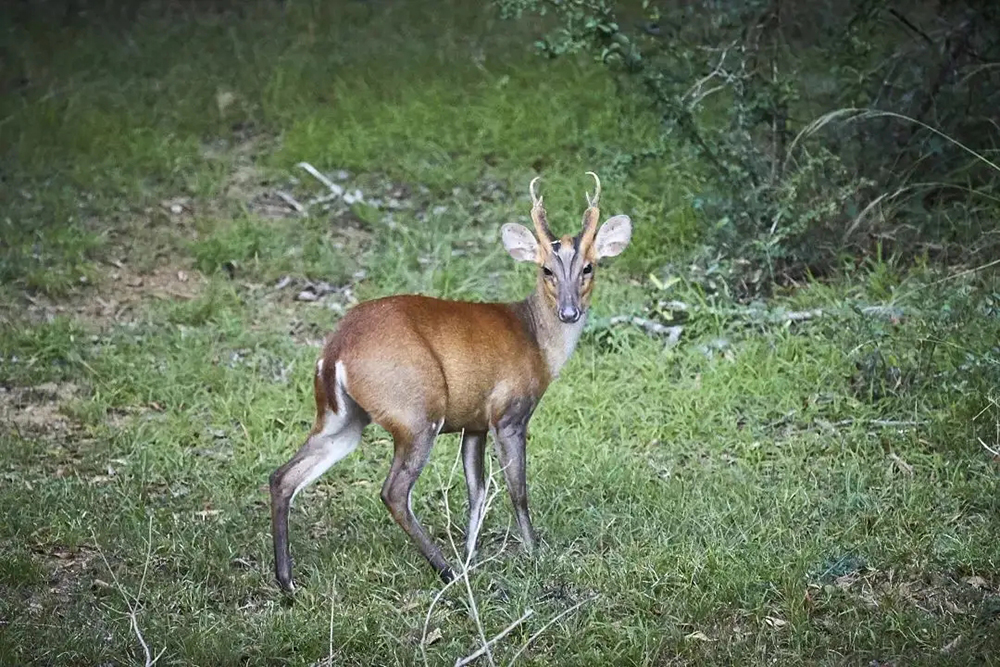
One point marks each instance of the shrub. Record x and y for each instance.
(742, 84)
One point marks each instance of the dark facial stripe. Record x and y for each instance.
(558, 247)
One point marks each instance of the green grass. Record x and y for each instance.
(805, 493)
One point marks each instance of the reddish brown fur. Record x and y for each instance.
(323, 399)
(585, 291)
(411, 359)
(548, 291)
(590, 219)
(418, 366)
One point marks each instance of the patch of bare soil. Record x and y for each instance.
(934, 593)
(62, 444)
(117, 295)
(247, 185)
(67, 567)
(37, 411)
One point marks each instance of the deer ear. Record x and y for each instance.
(613, 236)
(519, 242)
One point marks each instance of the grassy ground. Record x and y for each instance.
(771, 489)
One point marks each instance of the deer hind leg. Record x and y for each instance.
(335, 435)
(511, 434)
(411, 453)
(473, 450)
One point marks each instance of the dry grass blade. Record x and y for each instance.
(976, 269)
(852, 114)
(993, 451)
(149, 659)
(500, 635)
(464, 576)
(444, 589)
(333, 597)
(891, 196)
(816, 126)
(545, 627)
(467, 565)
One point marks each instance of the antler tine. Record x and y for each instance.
(597, 192)
(538, 214)
(535, 199)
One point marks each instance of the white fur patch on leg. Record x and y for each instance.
(341, 373)
(340, 435)
(338, 438)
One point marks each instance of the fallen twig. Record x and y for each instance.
(335, 189)
(503, 633)
(464, 575)
(885, 312)
(444, 589)
(150, 660)
(467, 565)
(991, 450)
(903, 466)
(335, 192)
(889, 423)
(758, 315)
(291, 201)
(322, 199)
(802, 315)
(672, 333)
(545, 627)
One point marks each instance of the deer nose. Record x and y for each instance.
(569, 314)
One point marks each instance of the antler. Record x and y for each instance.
(592, 203)
(538, 214)
(535, 199)
(593, 213)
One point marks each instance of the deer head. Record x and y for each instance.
(566, 265)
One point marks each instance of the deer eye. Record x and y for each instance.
(547, 271)
(588, 269)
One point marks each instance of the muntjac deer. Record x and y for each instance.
(419, 366)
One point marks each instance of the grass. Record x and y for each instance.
(765, 491)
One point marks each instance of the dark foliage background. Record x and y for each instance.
(818, 128)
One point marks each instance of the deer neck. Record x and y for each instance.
(556, 339)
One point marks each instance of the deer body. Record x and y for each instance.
(452, 362)
(420, 366)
